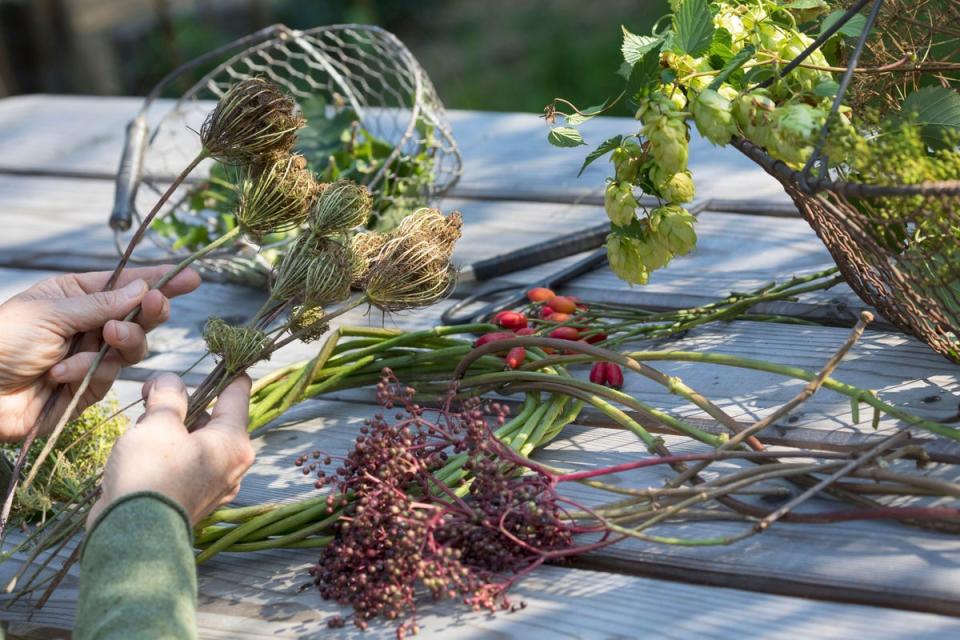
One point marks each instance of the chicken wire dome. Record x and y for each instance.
(360, 70)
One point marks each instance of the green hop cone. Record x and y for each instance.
(672, 228)
(675, 188)
(626, 161)
(668, 142)
(712, 113)
(619, 203)
(806, 79)
(623, 254)
(727, 18)
(794, 129)
(753, 113)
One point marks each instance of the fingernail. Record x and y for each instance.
(58, 370)
(122, 331)
(134, 289)
(167, 382)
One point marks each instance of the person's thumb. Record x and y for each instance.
(165, 399)
(91, 311)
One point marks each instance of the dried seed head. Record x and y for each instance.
(309, 322)
(238, 347)
(275, 196)
(254, 118)
(409, 273)
(329, 274)
(412, 269)
(366, 248)
(341, 206)
(443, 231)
(290, 276)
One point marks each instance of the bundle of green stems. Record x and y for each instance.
(553, 398)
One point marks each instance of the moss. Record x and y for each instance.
(81, 453)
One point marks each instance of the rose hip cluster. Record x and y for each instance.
(432, 500)
(559, 317)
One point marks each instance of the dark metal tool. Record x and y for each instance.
(536, 254)
(513, 294)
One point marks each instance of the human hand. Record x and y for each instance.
(200, 470)
(36, 328)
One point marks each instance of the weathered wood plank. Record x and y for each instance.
(61, 225)
(900, 369)
(872, 562)
(561, 603)
(257, 595)
(866, 562)
(505, 155)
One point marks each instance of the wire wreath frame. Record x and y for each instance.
(915, 289)
(359, 67)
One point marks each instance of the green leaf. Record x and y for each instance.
(576, 119)
(826, 88)
(851, 29)
(937, 109)
(735, 63)
(721, 46)
(565, 137)
(693, 27)
(804, 4)
(635, 46)
(605, 147)
(644, 73)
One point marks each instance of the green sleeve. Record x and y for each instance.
(137, 572)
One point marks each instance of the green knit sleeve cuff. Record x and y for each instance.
(137, 495)
(137, 568)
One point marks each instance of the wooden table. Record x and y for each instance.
(876, 579)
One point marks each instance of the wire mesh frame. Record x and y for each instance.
(363, 67)
(915, 285)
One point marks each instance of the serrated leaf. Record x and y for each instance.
(693, 27)
(851, 29)
(644, 73)
(721, 46)
(565, 137)
(804, 4)
(635, 46)
(826, 88)
(603, 149)
(735, 63)
(937, 109)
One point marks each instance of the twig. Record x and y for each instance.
(876, 450)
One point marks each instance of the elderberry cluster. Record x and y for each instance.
(433, 502)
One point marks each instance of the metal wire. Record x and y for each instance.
(360, 67)
(873, 231)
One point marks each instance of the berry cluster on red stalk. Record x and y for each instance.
(405, 526)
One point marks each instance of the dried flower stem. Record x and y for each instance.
(51, 402)
(81, 389)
